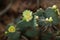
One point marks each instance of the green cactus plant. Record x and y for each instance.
(12, 33)
(24, 26)
(39, 12)
(49, 12)
(31, 21)
(33, 31)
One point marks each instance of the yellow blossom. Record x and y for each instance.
(54, 7)
(27, 15)
(50, 19)
(11, 29)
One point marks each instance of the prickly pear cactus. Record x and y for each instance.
(12, 33)
(33, 31)
(49, 12)
(49, 17)
(29, 24)
(39, 12)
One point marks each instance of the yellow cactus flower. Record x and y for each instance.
(11, 29)
(50, 19)
(27, 15)
(54, 7)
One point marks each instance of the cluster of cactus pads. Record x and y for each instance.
(30, 23)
